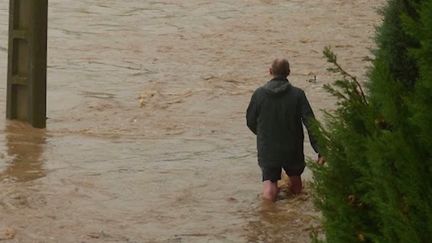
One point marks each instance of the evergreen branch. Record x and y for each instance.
(332, 58)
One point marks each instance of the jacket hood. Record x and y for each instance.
(277, 86)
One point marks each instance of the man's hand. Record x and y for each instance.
(321, 160)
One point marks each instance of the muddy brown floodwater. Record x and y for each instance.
(146, 137)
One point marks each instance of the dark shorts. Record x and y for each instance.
(274, 173)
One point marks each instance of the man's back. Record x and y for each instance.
(275, 114)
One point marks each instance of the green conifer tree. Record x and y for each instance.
(376, 187)
(400, 156)
(340, 185)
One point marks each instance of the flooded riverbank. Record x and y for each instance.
(146, 137)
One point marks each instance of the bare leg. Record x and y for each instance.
(296, 184)
(270, 190)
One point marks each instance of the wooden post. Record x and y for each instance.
(27, 61)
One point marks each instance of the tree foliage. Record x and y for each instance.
(377, 186)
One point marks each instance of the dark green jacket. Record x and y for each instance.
(275, 114)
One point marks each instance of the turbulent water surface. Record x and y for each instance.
(146, 138)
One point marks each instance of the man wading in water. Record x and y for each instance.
(275, 114)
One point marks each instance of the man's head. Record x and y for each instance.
(280, 68)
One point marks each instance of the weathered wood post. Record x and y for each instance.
(27, 61)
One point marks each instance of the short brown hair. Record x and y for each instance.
(281, 68)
